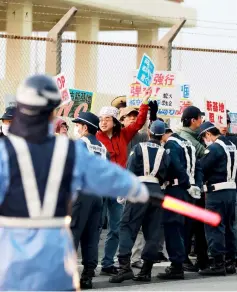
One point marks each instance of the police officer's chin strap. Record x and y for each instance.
(31, 123)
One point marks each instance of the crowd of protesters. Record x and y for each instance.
(197, 163)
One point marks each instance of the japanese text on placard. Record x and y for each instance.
(146, 71)
(216, 112)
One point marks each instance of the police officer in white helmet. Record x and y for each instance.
(38, 174)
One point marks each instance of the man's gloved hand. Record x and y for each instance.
(121, 200)
(142, 196)
(194, 192)
(153, 110)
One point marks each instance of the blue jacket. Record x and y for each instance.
(44, 258)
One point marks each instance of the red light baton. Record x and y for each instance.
(192, 211)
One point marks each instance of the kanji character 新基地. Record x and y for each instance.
(221, 107)
(209, 106)
(215, 106)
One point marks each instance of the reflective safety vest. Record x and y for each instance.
(95, 148)
(40, 215)
(230, 180)
(190, 158)
(227, 148)
(150, 176)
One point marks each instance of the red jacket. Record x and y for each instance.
(117, 145)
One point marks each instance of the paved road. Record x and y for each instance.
(192, 282)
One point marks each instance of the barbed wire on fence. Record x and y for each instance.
(115, 44)
(87, 10)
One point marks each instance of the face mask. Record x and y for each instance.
(77, 135)
(208, 143)
(51, 129)
(5, 129)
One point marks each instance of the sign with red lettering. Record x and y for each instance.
(165, 88)
(81, 100)
(216, 112)
(62, 86)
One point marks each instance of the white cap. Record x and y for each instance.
(109, 111)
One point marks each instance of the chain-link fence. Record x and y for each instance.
(107, 68)
(210, 73)
(18, 59)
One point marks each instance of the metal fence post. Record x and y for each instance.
(165, 50)
(54, 47)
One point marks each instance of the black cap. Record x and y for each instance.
(191, 112)
(87, 118)
(9, 113)
(157, 128)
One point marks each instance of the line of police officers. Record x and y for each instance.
(166, 163)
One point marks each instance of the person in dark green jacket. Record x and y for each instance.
(192, 120)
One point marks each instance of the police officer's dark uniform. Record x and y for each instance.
(7, 116)
(219, 167)
(86, 211)
(150, 162)
(184, 179)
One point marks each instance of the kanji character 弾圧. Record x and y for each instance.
(135, 89)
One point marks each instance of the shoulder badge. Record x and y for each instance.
(131, 153)
(167, 151)
(206, 151)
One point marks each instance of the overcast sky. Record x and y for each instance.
(210, 75)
